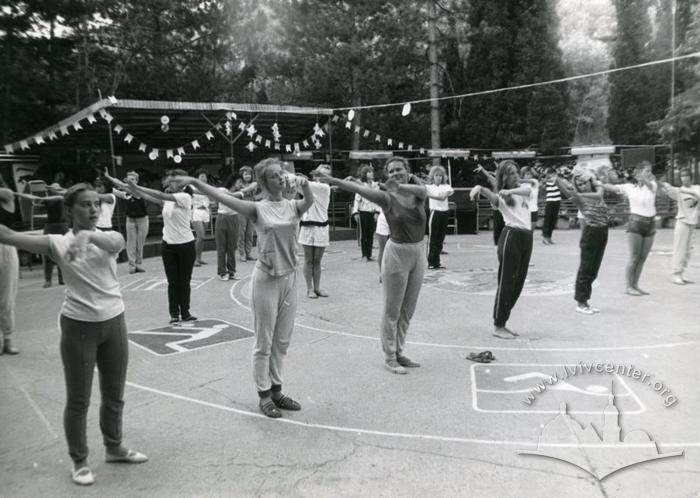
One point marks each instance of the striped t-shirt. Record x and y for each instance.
(553, 193)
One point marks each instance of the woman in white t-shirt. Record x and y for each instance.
(178, 251)
(201, 217)
(514, 244)
(438, 191)
(365, 211)
(108, 202)
(273, 287)
(641, 226)
(93, 329)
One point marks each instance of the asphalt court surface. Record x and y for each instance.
(450, 428)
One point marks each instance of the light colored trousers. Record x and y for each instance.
(9, 280)
(245, 237)
(403, 267)
(274, 303)
(136, 231)
(682, 246)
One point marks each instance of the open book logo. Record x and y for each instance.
(563, 438)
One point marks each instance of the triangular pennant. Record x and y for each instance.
(118, 129)
(64, 130)
(357, 129)
(169, 153)
(23, 145)
(288, 148)
(378, 138)
(154, 154)
(241, 126)
(181, 151)
(142, 147)
(277, 146)
(108, 117)
(195, 144)
(76, 126)
(39, 139)
(258, 139)
(335, 118)
(348, 125)
(217, 126)
(91, 119)
(112, 99)
(296, 147)
(410, 147)
(400, 145)
(422, 150)
(389, 141)
(9, 149)
(52, 136)
(366, 133)
(128, 138)
(268, 143)
(305, 143)
(320, 133)
(209, 135)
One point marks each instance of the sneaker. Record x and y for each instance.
(83, 476)
(678, 280)
(233, 276)
(586, 310)
(394, 367)
(174, 319)
(225, 276)
(189, 318)
(595, 310)
(407, 362)
(140, 270)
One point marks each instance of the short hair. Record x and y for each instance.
(199, 171)
(231, 180)
(435, 170)
(262, 167)
(364, 170)
(133, 173)
(397, 159)
(550, 170)
(176, 172)
(72, 194)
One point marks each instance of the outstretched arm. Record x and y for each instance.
(689, 191)
(377, 196)
(434, 193)
(479, 190)
(37, 244)
(7, 195)
(489, 176)
(246, 208)
(304, 204)
(36, 198)
(522, 190)
(418, 191)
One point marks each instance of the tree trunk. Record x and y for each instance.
(434, 93)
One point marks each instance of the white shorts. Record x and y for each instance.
(382, 225)
(200, 215)
(314, 236)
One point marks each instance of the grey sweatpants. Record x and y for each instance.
(403, 267)
(274, 303)
(9, 279)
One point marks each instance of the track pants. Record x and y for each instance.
(367, 227)
(551, 214)
(178, 260)
(498, 226)
(682, 246)
(226, 235)
(136, 232)
(592, 244)
(438, 229)
(514, 251)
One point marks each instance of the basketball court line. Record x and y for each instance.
(403, 435)
(481, 347)
(475, 390)
(31, 402)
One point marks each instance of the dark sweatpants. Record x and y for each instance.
(438, 229)
(592, 244)
(551, 214)
(498, 225)
(514, 250)
(367, 226)
(84, 345)
(178, 260)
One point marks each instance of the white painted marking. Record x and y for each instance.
(459, 346)
(31, 402)
(429, 437)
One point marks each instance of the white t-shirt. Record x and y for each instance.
(176, 219)
(106, 212)
(362, 204)
(688, 206)
(223, 208)
(437, 204)
(534, 194)
(92, 288)
(517, 216)
(642, 199)
(319, 209)
(382, 225)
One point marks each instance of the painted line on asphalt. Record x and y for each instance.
(404, 435)
(31, 402)
(461, 346)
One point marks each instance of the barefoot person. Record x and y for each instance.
(314, 236)
(688, 198)
(641, 226)
(93, 330)
(514, 244)
(404, 260)
(274, 280)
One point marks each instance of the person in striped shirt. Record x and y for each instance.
(551, 206)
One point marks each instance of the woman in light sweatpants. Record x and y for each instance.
(404, 260)
(9, 273)
(274, 281)
(93, 329)
(688, 198)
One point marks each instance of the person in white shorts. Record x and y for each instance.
(313, 234)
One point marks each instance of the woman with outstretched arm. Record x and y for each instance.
(274, 280)
(404, 258)
(514, 243)
(93, 329)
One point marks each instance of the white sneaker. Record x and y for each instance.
(394, 367)
(223, 277)
(83, 476)
(678, 280)
(234, 276)
(586, 310)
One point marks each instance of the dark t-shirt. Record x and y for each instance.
(407, 224)
(135, 207)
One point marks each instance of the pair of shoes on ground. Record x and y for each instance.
(83, 475)
(587, 309)
(437, 267)
(315, 294)
(6, 347)
(271, 407)
(483, 357)
(136, 270)
(400, 364)
(681, 280)
(505, 333)
(176, 319)
(547, 242)
(229, 276)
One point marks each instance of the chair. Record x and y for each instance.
(452, 217)
(38, 188)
